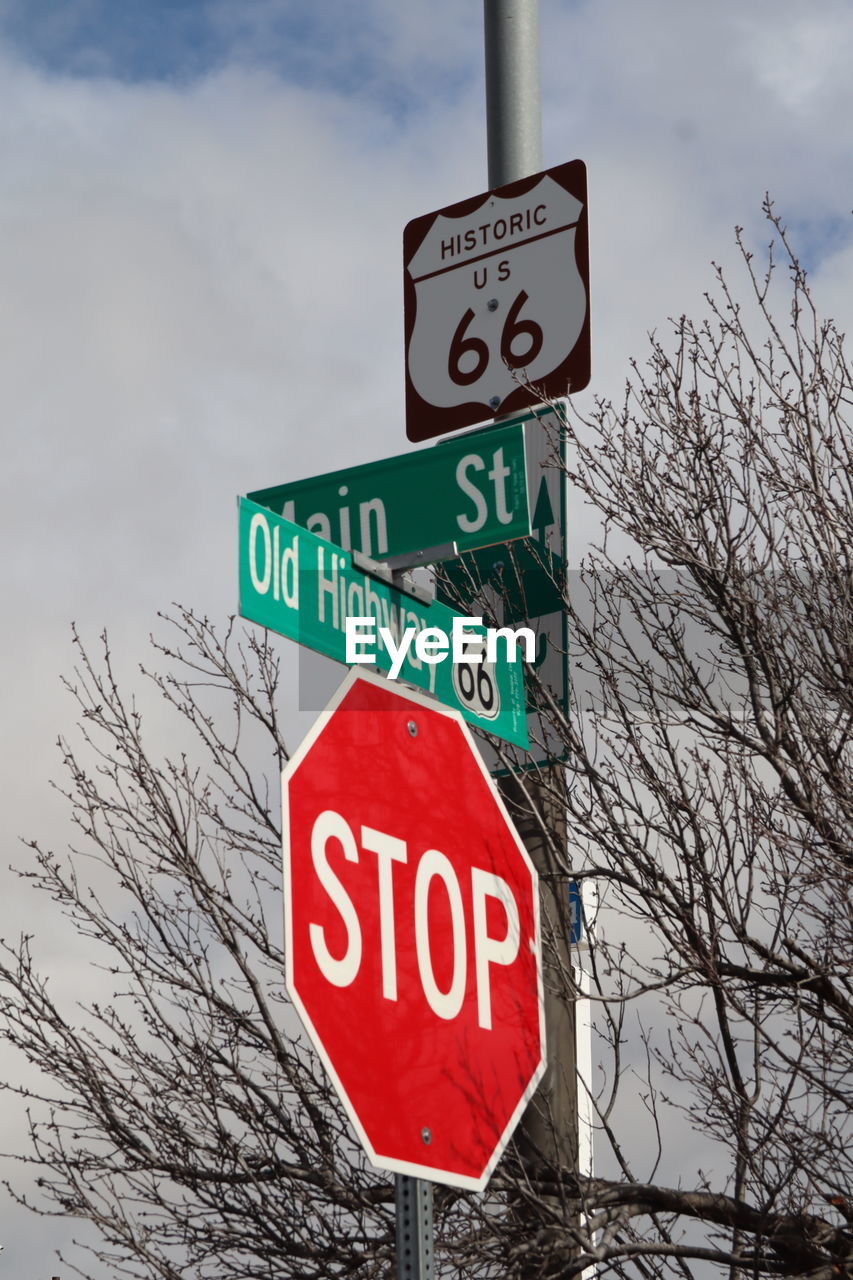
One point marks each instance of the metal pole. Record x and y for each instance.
(415, 1253)
(514, 133)
(513, 114)
(549, 1130)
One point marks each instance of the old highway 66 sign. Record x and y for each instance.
(496, 294)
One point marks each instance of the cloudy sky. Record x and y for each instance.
(201, 211)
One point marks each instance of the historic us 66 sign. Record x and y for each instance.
(496, 295)
(412, 932)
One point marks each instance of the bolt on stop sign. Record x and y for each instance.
(496, 301)
(412, 932)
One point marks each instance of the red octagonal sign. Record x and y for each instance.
(412, 932)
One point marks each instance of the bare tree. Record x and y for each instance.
(709, 794)
(183, 1114)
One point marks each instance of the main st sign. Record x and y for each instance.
(412, 932)
(472, 491)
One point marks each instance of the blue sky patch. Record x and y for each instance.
(335, 45)
(130, 40)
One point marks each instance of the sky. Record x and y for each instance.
(201, 215)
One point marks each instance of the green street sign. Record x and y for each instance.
(525, 580)
(472, 491)
(305, 587)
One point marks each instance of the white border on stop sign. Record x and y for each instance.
(409, 1168)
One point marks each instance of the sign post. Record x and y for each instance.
(514, 135)
(411, 902)
(415, 1252)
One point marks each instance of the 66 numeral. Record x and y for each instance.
(475, 687)
(514, 330)
(485, 689)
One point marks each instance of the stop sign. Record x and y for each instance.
(412, 932)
